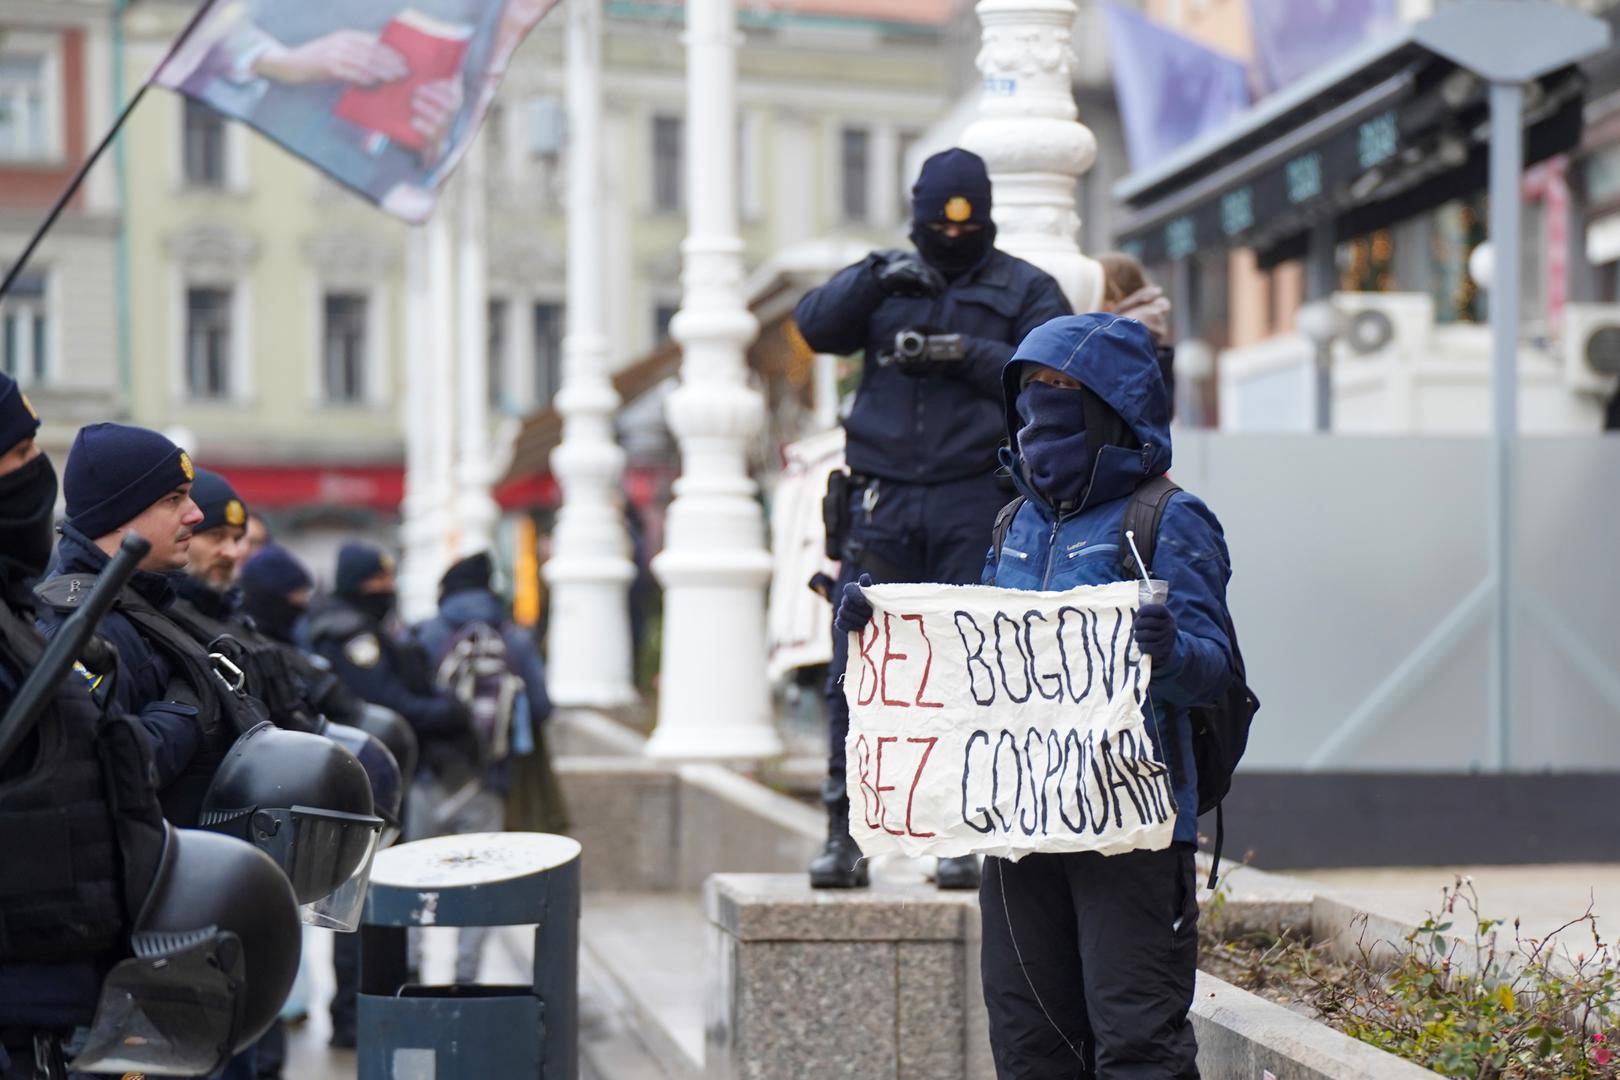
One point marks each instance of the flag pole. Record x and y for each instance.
(73, 185)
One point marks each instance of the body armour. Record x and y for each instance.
(224, 710)
(77, 798)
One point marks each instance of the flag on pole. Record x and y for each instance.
(383, 96)
(1171, 89)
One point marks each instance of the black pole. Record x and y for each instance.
(64, 649)
(77, 180)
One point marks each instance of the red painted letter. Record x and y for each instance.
(890, 654)
(863, 757)
(928, 664)
(882, 809)
(927, 749)
(866, 655)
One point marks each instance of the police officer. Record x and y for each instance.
(120, 479)
(209, 605)
(57, 928)
(921, 493)
(347, 630)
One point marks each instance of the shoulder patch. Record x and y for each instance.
(363, 650)
(65, 591)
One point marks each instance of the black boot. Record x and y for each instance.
(957, 872)
(840, 865)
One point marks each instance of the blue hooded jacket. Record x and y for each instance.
(1047, 550)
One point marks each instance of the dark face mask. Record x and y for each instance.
(27, 506)
(953, 257)
(378, 605)
(1052, 442)
(275, 616)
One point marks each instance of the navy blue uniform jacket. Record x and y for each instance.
(945, 426)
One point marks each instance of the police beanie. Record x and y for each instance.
(115, 471)
(954, 186)
(274, 571)
(358, 563)
(218, 501)
(18, 420)
(473, 572)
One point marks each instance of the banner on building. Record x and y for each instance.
(1171, 89)
(384, 96)
(1293, 38)
(1003, 723)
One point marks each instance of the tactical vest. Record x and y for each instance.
(223, 712)
(269, 676)
(78, 819)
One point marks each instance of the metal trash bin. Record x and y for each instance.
(414, 1032)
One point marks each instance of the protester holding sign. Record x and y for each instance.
(1090, 936)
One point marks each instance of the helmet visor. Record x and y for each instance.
(326, 854)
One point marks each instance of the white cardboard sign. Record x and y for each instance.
(1002, 722)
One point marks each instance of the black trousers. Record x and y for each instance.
(346, 977)
(1088, 965)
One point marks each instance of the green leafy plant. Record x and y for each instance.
(1463, 999)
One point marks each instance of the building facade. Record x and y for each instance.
(60, 329)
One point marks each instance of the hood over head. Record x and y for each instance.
(472, 605)
(1128, 411)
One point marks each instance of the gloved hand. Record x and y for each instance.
(854, 610)
(1155, 631)
(900, 273)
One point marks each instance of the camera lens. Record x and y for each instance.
(910, 345)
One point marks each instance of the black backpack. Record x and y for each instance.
(1221, 730)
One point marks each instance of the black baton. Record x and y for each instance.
(64, 649)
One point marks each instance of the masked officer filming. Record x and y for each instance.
(921, 493)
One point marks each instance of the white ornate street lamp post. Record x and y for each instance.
(714, 703)
(1029, 135)
(590, 569)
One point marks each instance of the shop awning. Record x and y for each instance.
(1393, 130)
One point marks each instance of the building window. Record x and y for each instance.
(495, 350)
(663, 315)
(548, 335)
(856, 174)
(208, 342)
(24, 325)
(204, 146)
(667, 164)
(343, 348)
(27, 113)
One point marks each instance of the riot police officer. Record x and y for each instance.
(920, 496)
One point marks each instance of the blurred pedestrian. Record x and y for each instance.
(936, 325)
(1128, 292)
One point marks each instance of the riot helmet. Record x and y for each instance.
(387, 785)
(395, 733)
(306, 802)
(216, 947)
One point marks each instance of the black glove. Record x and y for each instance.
(855, 610)
(900, 273)
(1155, 631)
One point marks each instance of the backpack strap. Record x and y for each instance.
(1004, 520)
(1142, 519)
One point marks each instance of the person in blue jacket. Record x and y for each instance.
(1088, 961)
(922, 435)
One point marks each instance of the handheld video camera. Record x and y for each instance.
(914, 346)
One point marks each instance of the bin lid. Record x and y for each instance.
(475, 879)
